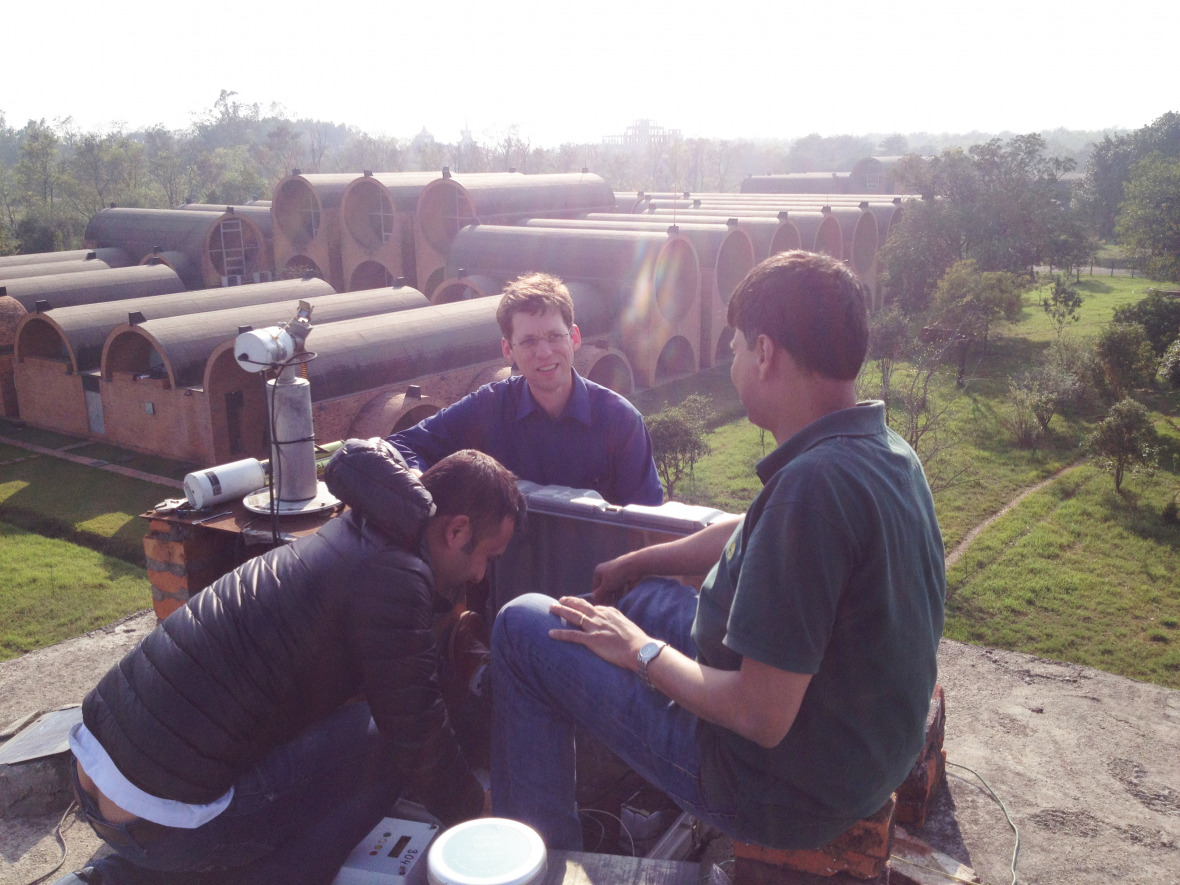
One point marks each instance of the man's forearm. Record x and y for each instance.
(691, 555)
(758, 702)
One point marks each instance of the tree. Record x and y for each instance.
(999, 203)
(1062, 305)
(968, 303)
(1158, 314)
(1125, 439)
(1109, 168)
(678, 440)
(168, 166)
(104, 168)
(1127, 359)
(1071, 244)
(920, 247)
(817, 153)
(890, 339)
(1170, 365)
(1148, 222)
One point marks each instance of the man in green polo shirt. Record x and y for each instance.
(788, 698)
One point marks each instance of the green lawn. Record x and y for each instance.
(71, 538)
(75, 502)
(54, 590)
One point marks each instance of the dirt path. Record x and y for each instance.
(962, 546)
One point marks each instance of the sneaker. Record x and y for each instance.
(469, 653)
(81, 877)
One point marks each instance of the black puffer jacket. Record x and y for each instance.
(285, 639)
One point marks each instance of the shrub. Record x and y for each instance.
(1170, 364)
(1022, 419)
(1075, 363)
(1128, 361)
(678, 439)
(1158, 314)
(1125, 439)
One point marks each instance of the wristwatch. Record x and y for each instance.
(647, 654)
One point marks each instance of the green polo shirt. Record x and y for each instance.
(837, 570)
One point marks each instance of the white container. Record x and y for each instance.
(487, 851)
(224, 482)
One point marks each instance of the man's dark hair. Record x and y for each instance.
(534, 293)
(477, 486)
(810, 304)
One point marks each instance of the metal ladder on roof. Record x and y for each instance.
(232, 249)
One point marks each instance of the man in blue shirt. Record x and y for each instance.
(548, 424)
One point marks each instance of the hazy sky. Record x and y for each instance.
(564, 71)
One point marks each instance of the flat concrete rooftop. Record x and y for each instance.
(1086, 763)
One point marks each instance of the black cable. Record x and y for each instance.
(275, 461)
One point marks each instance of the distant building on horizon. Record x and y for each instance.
(641, 135)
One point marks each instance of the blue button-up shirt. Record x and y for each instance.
(599, 440)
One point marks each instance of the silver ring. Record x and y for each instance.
(582, 620)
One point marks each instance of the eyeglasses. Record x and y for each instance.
(532, 342)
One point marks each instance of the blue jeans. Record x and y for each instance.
(294, 817)
(544, 688)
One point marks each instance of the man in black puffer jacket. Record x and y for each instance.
(223, 748)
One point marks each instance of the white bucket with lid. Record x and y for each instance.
(487, 851)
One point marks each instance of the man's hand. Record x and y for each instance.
(604, 630)
(693, 554)
(612, 580)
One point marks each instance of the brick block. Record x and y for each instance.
(861, 851)
(169, 592)
(160, 549)
(185, 546)
(169, 584)
(916, 793)
(160, 527)
(209, 545)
